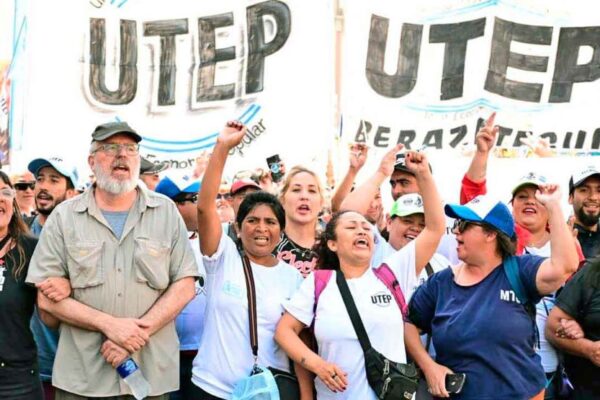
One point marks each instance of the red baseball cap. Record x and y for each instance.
(243, 184)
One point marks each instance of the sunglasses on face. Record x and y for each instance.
(460, 225)
(223, 196)
(192, 199)
(24, 185)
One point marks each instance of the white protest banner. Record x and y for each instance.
(427, 73)
(177, 70)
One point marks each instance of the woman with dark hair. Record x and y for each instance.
(346, 247)
(580, 300)
(480, 325)
(19, 376)
(225, 356)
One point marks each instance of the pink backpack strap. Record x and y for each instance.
(385, 274)
(322, 277)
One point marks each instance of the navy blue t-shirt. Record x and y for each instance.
(483, 331)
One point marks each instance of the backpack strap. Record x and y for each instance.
(322, 277)
(511, 269)
(385, 274)
(429, 269)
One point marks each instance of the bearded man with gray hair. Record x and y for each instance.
(126, 253)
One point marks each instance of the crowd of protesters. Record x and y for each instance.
(152, 264)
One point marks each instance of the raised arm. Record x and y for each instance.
(474, 181)
(563, 261)
(362, 196)
(358, 157)
(209, 225)
(435, 221)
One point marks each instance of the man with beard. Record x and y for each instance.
(584, 195)
(55, 181)
(126, 254)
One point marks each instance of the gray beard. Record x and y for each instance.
(115, 186)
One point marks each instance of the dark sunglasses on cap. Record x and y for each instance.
(461, 225)
(24, 185)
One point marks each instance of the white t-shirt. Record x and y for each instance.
(190, 322)
(546, 351)
(380, 315)
(384, 250)
(225, 356)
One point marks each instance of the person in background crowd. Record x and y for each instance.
(346, 246)
(402, 182)
(55, 182)
(302, 198)
(149, 172)
(24, 185)
(357, 159)
(19, 374)
(183, 190)
(477, 324)
(225, 355)
(238, 192)
(531, 228)
(584, 195)
(580, 300)
(126, 253)
(224, 208)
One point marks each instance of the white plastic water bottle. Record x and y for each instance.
(131, 374)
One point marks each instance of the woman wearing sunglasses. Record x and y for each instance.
(24, 185)
(478, 326)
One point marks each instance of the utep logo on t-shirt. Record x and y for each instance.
(382, 299)
(509, 295)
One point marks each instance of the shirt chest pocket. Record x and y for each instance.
(152, 260)
(84, 261)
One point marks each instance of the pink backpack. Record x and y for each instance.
(384, 273)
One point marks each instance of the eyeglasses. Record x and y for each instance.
(223, 196)
(461, 225)
(113, 149)
(7, 193)
(24, 185)
(192, 199)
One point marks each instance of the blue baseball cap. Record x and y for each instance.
(175, 184)
(487, 210)
(63, 167)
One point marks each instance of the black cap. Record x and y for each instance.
(104, 131)
(400, 164)
(148, 167)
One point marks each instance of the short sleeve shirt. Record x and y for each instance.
(581, 300)
(121, 277)
(381, 316)
(483, 331)
(17, 347)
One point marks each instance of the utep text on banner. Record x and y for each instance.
(176, 71)
(427, 73)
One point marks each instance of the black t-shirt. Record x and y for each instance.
(303, 259)
(17, 299)
(589, 241)
(582, 301)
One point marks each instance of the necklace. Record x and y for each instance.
(302, 252)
